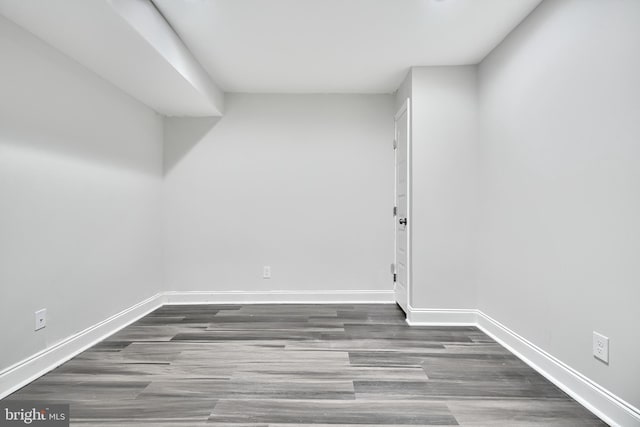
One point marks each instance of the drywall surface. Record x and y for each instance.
(300, 183)
(404, 91)
(80, 193)
(444, 168)
(560, 184)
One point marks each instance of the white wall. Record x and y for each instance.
(80, 181)
(303, 183)
(444, 162)
(404, 91)
(560, 231)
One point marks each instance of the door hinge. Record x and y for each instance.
(395, 277)
(395, 210)
(395, 135)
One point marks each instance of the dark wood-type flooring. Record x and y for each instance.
(284, 365)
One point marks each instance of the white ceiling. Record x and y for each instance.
(333, 46)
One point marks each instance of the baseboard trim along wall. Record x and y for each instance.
(598, 400)
(604, 404)
(22, 373)
(281, 297)
(441, 317)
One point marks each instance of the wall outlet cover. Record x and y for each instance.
(601, 347)
(266, 272)
(41, 319)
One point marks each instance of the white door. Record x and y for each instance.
(402, 269)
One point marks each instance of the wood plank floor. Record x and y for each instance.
(303, 365)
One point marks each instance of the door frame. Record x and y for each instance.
(406, 106)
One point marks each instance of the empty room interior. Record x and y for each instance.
(269, 213)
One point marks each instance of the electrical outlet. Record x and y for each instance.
(266, 272)
(41, 318)
(601, 347)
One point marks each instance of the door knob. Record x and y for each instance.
(403, 221)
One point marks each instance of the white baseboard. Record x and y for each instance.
(22, 373)
(281, 297)
(441, 317)
(597, 399)
(604, 404)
